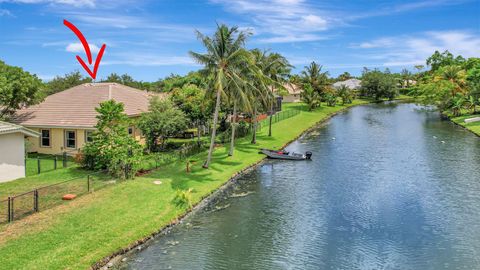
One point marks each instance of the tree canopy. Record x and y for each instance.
(112, 148)
(18, 88)
(69, 80)
(377, 84)
(161, 121)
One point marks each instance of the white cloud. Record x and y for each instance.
(5, 13)
(78, 47)
(280, 21)
(74, 3)
(409, 50)
(377, 43)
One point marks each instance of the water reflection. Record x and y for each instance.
(382, 192)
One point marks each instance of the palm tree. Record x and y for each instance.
(260, 93)
(276, 68)
(454, 74)
(239, 97)
(225, 52)
(314, 76)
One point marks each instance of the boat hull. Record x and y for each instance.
(283, 155)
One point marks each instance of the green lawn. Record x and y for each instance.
(47, 163)
(474, 127)
(28, 183)
(80, 233)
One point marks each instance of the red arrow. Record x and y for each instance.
(86, 47)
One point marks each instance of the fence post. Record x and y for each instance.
(39, 169)
(65, 159)
(9, 209)
(35, 200)
(88, 183)
(55, 163)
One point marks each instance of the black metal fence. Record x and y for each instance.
(21, 205)
(36, 163)
(18, 206)
(155, 160)
(277, 117)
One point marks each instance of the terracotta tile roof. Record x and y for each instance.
(75, 107)
(354, 84)
(7, 128)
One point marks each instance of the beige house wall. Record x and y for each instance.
(12, 156)
(291, 98)
(58, 141)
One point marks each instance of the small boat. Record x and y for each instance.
(286, 155)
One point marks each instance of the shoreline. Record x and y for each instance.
(117, 259)
(463, 125)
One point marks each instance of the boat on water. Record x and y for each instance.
(282, 154)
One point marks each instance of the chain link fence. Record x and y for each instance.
(277, 117)
(42, 198)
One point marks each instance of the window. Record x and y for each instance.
(45, 138)
(88, 136)
(70, 141)
(130, 131)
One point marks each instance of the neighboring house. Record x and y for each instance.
(406, 83)
(12, 150)
(352, 84)
(65, 120)
(294, 91)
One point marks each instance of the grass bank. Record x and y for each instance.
(82, 232)
(473, 127)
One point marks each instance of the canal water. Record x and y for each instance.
(390, 186)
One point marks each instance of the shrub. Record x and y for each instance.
(183, 198)
(112, 147)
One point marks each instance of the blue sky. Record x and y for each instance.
(151, 39)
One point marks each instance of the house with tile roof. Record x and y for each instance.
(294, 92)
(66, 120)
(12, 150)
(352, 84)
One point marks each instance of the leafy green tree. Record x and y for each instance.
(377, 84)
(112, 147)
(438, 60)
(128, 80)
(473, 82)
(163, 120)
(192, 100)
(176, 81)
(225, 54)
(69, 80)
(18, 88)
(344, 76)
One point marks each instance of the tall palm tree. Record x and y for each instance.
(238, 95)
(225, 53)
(314, 76)
(261, 87)
(276, 68)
